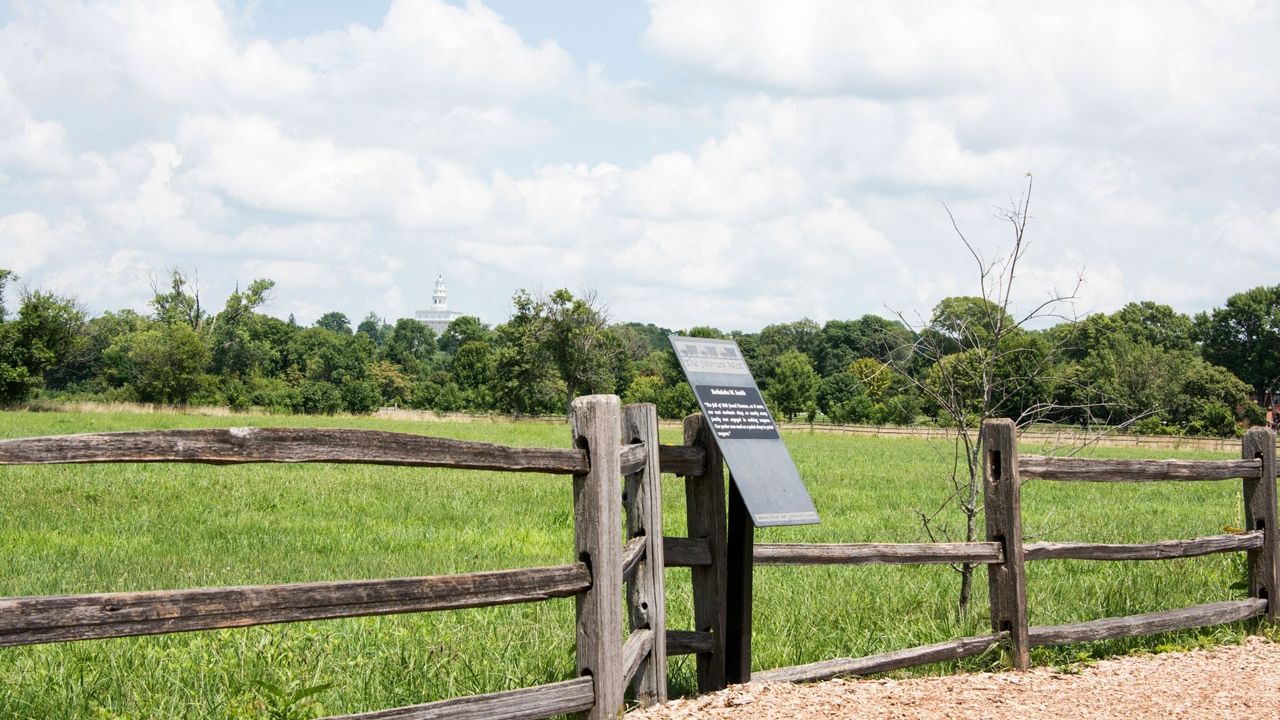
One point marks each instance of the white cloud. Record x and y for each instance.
(563, 200)
(735, 177)
(820, 46)
(173, 53)
(426, 49)
(771, 161)
(28, 144)
(29, 241)
(251, 160)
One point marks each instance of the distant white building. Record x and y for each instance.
(439, 316)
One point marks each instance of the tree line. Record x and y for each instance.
(1146, 365)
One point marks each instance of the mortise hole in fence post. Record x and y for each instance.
(1002, 504)
(1260, 514)
(705, 507)
(597, 531)
(646, 593)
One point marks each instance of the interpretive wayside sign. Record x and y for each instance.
(762, 468)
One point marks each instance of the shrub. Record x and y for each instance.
(317, 397)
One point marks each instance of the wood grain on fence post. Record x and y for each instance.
(704, 502)
(1003, 508)
(646, 593)
(1260, 514)
(597, 525)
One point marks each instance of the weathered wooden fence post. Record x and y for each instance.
(1260, 514)
(1002, 498)
(646, 593)
(597, 530)
(705, 505)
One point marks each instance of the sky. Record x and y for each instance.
(731, 163)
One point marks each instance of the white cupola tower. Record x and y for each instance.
(439, 316)
(439, 297)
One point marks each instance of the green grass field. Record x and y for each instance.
(72, 529)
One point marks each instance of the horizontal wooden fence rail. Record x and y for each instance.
(540, 701)
(877, 553)
(682, 459)
(1093, 630)
(686, 552)
(689, 642)
(896, 660)
(1148, 623)
(1091, 470)
(288, 445)
(598, 462)
(31, 620)
(1164, 550)
(632, 554)
(634, 650)
(633, 458)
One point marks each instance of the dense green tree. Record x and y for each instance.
(1146, 322)
(393, 385)
(836, 390)
(840, 342)
(278, 335)
(633, 343)
(360, 394)
(335, 322)
(6, 276)
(526, 382)
(473, 369)
(1159, 325)
(463, 330)
(165, 364)
(965, 323)
(16, 382)
(374, 328)
(1244, 337)
(84, 368)
(47, 329)
(437, 392)
(1203, 392)
(181, 303)
(574, 335)
(1013, 382)
(794, 384)
(774, 341)
(411, 345)
(652, 336)
(317, 397)
(239, 347)
(321, 355)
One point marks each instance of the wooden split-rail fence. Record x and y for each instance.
(616, 463)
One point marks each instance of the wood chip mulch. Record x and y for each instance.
(1227, 681)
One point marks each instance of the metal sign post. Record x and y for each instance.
(765, 488)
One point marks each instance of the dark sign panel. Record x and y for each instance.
(761, 466)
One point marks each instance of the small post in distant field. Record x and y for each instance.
(1002, 496)
(597, 530)
(705, 505)
(646, 593)
(1260, 514)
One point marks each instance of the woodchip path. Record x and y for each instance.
(1228, 681)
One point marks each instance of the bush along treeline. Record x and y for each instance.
(1145, 366)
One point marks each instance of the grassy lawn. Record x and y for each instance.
(72, 529)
